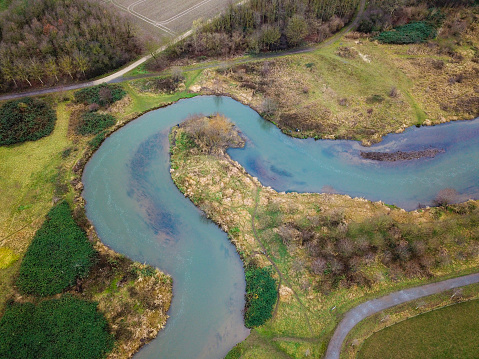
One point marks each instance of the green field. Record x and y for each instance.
(449, 332)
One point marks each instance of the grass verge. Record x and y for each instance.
(449, 332)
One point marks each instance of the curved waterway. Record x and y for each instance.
(138, 211)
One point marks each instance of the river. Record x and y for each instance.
(137, 210)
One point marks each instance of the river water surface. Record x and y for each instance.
(137, 210)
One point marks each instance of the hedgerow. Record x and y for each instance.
(26, 119)
(260, 296)
(92, 123)
(60, 328)
(102, 95)
(59, 254)
(412, 33)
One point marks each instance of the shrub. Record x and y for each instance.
(103, 95)
(26, 119)
(96, 141)
(92, 123)
(58, 255)
(60, 328)
(412, 33)
(260, 296)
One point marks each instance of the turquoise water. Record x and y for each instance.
(138, 211)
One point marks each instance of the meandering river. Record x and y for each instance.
(138, 211)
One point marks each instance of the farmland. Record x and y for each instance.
(164, 18)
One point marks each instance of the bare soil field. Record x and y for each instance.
(157, 19)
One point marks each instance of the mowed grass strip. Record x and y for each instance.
(449, 332)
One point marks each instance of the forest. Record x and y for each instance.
(57, 41)
(263, 25)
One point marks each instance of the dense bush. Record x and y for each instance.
(59, 254)
(60, 328)
(48, 41)
(102, 95)
(260, 296)
(27, 119)
(94, 123)
(408, 34)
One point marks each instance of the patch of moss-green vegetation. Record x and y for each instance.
(261, 295)
(412, 33)
(449, 332)
(59, 328)
(59, 254)
(4, 4)
(94, 123)
(26, 119)
(102, 95)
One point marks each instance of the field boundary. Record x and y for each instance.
(366, 309)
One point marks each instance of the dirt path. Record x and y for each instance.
(362, 311)
(118, 76)
(280, 274)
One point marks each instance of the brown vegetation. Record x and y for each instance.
(326, 249)
(47, 42)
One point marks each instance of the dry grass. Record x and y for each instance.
(359, 89)
(305, 316)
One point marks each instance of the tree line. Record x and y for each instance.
(50, 41)
(262, 25)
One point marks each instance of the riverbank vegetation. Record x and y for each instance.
(327, 251)
(58, 256)
(36, 175)
(49, 42)
(260, 295)
(360, 89)
(449, 332)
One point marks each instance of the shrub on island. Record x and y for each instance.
(260, 296)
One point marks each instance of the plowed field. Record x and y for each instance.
(159, 18)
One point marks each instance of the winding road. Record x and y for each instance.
(366, 309)
(117, 76)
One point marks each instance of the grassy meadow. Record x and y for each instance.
(449, 332)
(398, 314)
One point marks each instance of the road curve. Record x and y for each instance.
(362, 311)
(103, 80)
(118, 74)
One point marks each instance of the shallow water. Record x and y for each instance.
(138, 211)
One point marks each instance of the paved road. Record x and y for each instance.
(110, 78)
(362, 311)
(118, 76)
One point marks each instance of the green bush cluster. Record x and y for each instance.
(59, 328)
(412, 33)
(26, 119)
(260, 296)
(102, 95)
(59, 254)
(92, 123)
